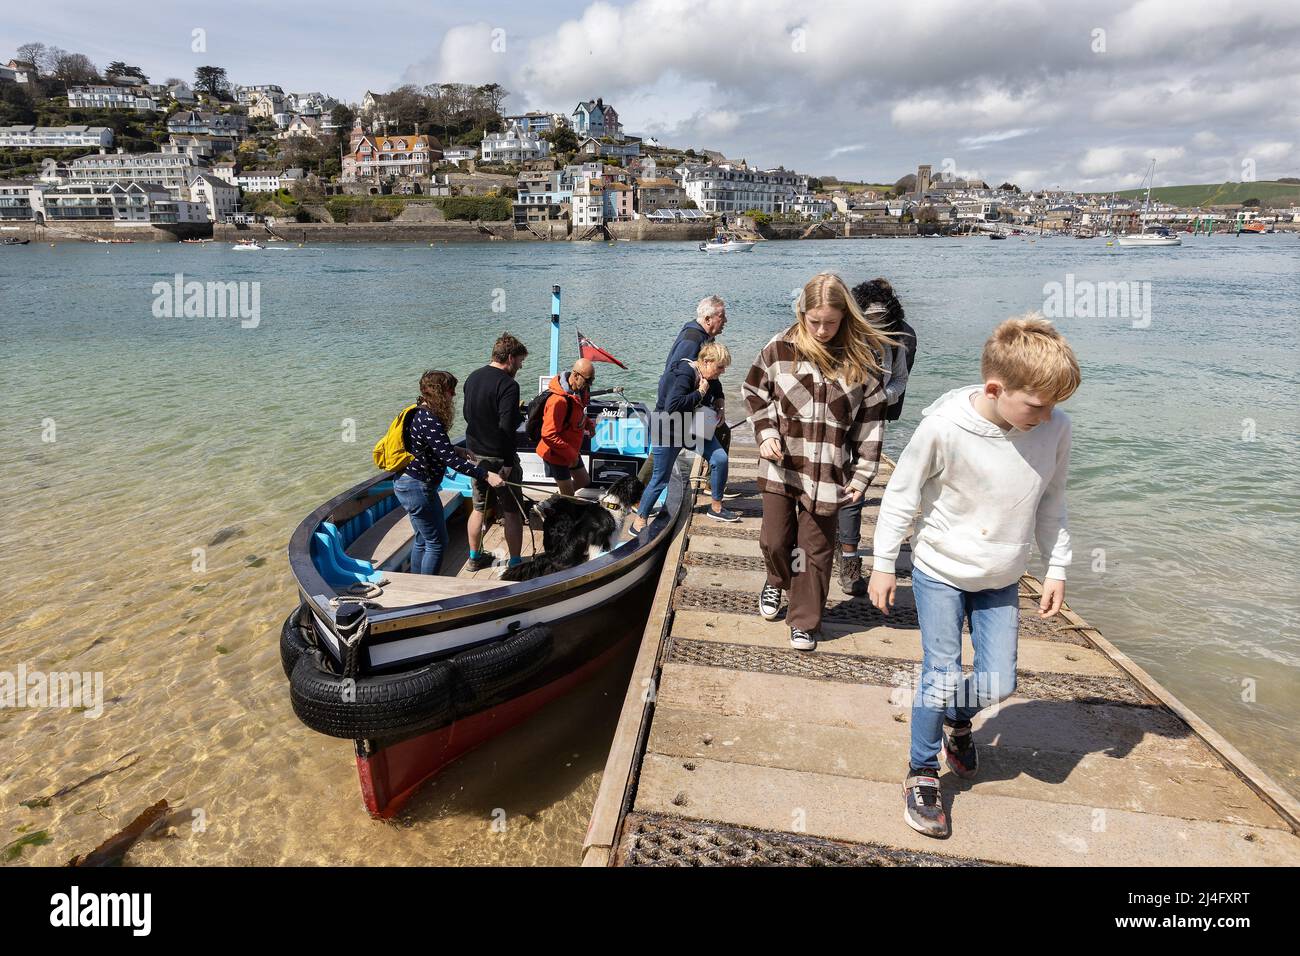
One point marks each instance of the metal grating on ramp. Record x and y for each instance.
(651, 839)
(892, 672)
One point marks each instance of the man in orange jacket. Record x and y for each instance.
(565, 424)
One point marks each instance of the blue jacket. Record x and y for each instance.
(687, 344)
(679, 396)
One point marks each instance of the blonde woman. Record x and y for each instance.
(816, 402)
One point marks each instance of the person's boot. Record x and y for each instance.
(851, 580)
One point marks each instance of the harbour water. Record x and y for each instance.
(153, 467)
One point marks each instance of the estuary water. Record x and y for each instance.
(154, 465)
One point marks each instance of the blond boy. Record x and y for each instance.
(986, 469)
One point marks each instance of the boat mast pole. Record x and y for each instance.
(555, 330)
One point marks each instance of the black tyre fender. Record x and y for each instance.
(483, 673)
(297, 638)
(377, 706)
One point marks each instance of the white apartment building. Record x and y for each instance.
(110, 98)
(55, 137)
(219, 198)
(458, 154)
(588, 200)
(245, 94)
(169, 170)
(514, 146)
(125, 204)
(733, 188)
(260, 180)
(15, 200)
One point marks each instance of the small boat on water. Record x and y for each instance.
(996, 235)
(1151, 236)
(727, 243)
(195, 242)
(419, 669)
(1256, 229)
(13, 241)
(250, 245)
(114, 241)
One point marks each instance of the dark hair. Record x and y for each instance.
(880, 292)
(508, 347)
(436, 388)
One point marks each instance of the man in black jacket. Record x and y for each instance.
(492, 417)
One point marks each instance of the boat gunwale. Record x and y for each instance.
(317, 592)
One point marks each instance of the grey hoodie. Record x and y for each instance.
(983, 494)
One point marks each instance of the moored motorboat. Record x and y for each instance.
(726, 243)
(1151, 236)
(13, 241)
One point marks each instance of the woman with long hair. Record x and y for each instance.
(425, 438)
(817, 405)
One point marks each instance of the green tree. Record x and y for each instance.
(118, 68)
(212, 80)
(562, 139)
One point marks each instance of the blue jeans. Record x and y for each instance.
(429, 521)
(666, 455)
(994, 617)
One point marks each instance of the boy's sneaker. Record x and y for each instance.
(959, 750)
(723, 514)
(851, 580)
(769, 602)
(922, 808)
(480, 561)
(801, 640)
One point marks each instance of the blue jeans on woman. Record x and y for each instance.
(424, 506)
(666, 455)
(994, 617)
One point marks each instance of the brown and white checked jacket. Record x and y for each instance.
(824, 427)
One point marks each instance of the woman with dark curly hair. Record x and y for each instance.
(882, 309)
(425, 438)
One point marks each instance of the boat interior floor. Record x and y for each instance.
(385, 544)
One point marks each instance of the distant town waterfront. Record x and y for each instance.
(155, 465)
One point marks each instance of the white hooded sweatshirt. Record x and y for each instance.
(983, 493)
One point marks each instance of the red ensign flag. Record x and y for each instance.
(590, 350)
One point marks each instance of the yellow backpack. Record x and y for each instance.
(390, 451)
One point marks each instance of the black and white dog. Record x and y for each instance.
(577, 531)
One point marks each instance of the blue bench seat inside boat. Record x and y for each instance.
(384, 543)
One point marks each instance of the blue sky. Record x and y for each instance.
(1040, 92)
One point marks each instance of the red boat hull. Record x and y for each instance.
(391, 775)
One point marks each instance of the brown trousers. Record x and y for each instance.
(805, 573)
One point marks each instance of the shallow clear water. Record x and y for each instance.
(172, 433)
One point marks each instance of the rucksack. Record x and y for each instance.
(533, 419)
(390, 451)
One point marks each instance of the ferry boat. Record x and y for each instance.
(419, 669)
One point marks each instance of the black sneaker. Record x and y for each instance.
(484, 560)
(729, 495)
(922, 807)
(801, 640)
(769, 602)
(722, 514)
(959, 750)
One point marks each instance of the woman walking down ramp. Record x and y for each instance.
(817, 405)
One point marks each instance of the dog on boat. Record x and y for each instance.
(577, 531)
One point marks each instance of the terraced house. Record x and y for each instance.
(735, 187)
(381, 157)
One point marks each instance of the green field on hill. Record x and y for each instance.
(1214, 194)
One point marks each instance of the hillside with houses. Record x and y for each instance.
(81, 145)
